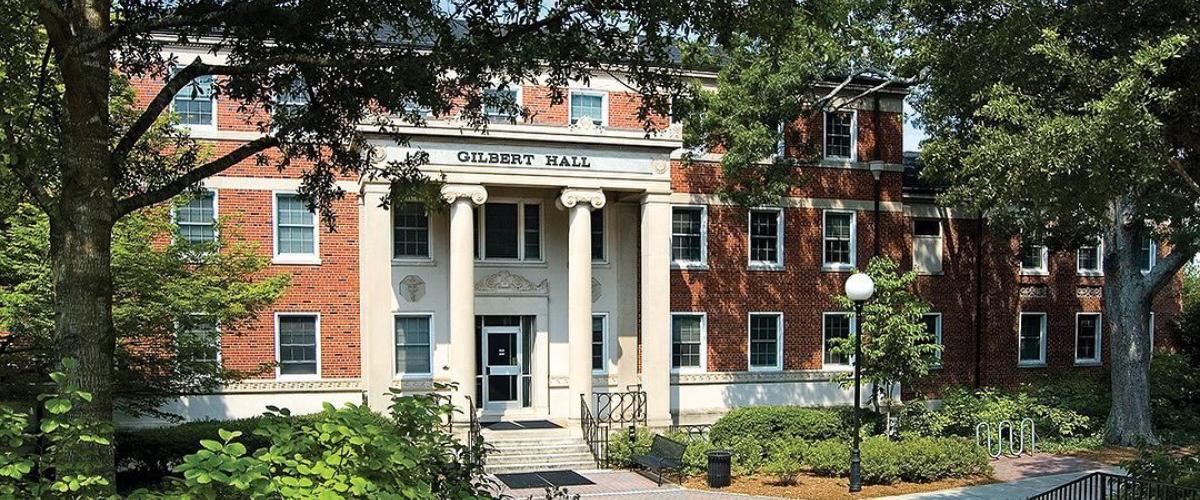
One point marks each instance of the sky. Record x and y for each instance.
(912, 134)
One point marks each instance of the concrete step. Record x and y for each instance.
(535, 458)
(540, 467)
(544, 450)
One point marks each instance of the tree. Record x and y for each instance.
(898, 349)
(1065, 123)
(169, 298)
(779, 70)
(72, 139)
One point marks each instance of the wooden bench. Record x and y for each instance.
(665, 454)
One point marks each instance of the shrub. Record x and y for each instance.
(747, 455)
(1156, 464)
(695, 458)
(785, 459)
(1175, 396)
(918, 418)
(880, 460)
(830, 457)
(964, 409)
(765, 423)
(146, 456)
(916, 459)
(621, 450)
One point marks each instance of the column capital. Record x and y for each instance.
(474, 192)
(574, 196)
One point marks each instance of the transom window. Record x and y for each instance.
(587, 107)
(414, 345)
(598, 235)
(836, 325)
(1149, 254)
(1034, 259)
(410, 231)
(766, 238)
(839, 240)
(1031, 345)
(197, 218)
(298, 344)
(500, 104)
(295, 228)
(839, 135)
(510, 231)
(687, 341)
(1087, 338)
(766, 343)
(1088, 260)
(933, 326)
(688, 230)
(194, 103)
(599, 334)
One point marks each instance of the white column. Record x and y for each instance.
(656, 308)
(580, 203)
(462, 199)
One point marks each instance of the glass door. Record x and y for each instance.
(502, 365)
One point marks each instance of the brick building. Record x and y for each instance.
(575, 254)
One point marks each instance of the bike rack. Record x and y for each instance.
(1024, 432)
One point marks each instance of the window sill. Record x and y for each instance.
(1031, 364)
(196, 128)
(927, 273)
(284, 260)
(838, 161)
(1088, 362)
(601, 264)
(1091, 274)
(685, 371)
(510, 263)
(298, 378)
(837, 268)
(764, 266)
(694, 266)
(837, 368)
(412, 376)
(1035, 272)
(758, 369)
(413, 261)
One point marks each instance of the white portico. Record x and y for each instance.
(523, 289)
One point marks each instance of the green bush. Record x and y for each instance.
(964, 409)
(765, 423)
(695, 458)
(915, 459)
(747, 455)
(146, 456)
(1171, 467)
(917, 418)
(1175, 397)
(621, 450)
(830, 457)
(785, 459)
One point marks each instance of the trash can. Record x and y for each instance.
(718, 468)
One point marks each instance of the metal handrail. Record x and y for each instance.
(595, 434)
(475, 453)
(621, 408)
(1105, 486)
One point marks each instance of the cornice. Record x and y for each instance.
(287, 386)
(752, 377)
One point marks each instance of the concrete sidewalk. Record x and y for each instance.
(1019, 489)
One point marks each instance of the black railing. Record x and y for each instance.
(693, 432)
(1105, 486)
(475, 445)
(621, 408)
(595, 434)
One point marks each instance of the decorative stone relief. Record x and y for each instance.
(595, 289)
(752, 377)
(574, 196)
(269, 386)
(506, 283)
(674, 131)
(1034, 291)
(1089, 291)
(587, 127)
(412, 288)
(660, 166)
(476, 193)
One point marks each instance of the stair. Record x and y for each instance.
(536, 450)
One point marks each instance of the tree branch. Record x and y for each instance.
(196, 175)
(1187, 179)
(1166, 267)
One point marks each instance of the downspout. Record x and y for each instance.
(979, 319)
(877, 167)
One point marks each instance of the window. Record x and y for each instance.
(194, 104)
(840, 135)
(598, 235)
(839, 240)
(766, 238)
(933, 325)
(689, 236)
(587, 106)
(836, 325)
(298, 345)
(510, 231)
(1087, 338)
(766, 342)
(291, 102)
(1031, 340)
(197, 219)
(414, 341)
(295, 229)
(1149, 254)
(1033, 259)
(687, 341)
(1088, 260)
(410, 231)
(199, 341)
(599, 344)
(500, 107)
(927, 246)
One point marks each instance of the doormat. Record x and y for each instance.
(522, 424)
(525, 480)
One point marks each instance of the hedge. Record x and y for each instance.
(766, 423)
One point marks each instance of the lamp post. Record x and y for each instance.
(859, 288)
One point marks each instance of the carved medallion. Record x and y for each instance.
(1089, 291)
(412, 288)
(1034, 291)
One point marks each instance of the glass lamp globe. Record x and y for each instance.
(860, 287)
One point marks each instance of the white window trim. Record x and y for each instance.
(293, 258)
(216, 215)
(316, 337)
(838, 266)
(853, 137)
(703, 343)
(518, 99)
(432, 344)
(603, 105)
(1153, 256)
(692, 264)
(1041, 361)
(605, 215)
(212, 97)
(1099, 331)
(1042, 270)
(778, 366)
(937, 338)
(825, 341)
(1099, 271)
(761, 265)
(481, 237)
(603, 344)
(408, 260)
